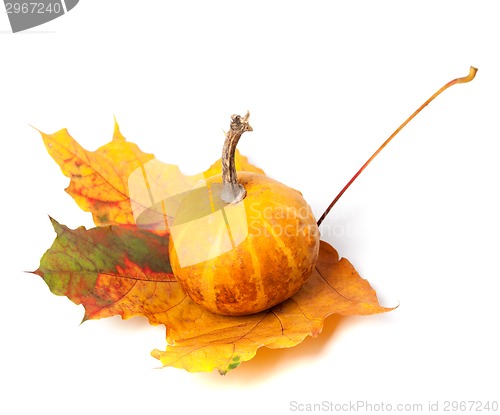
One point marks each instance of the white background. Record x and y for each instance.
(326, 82)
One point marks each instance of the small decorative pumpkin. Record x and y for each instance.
(242, 243)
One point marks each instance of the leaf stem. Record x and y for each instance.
(468, 78)
(233, 192)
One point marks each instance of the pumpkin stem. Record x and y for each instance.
(462, 80)
(233, 192)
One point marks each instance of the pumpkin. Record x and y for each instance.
(242, 242)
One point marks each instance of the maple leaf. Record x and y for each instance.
(124, 268)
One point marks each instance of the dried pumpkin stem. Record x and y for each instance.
(462, 80)
(233, 192)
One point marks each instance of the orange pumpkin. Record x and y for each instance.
(244, 242)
